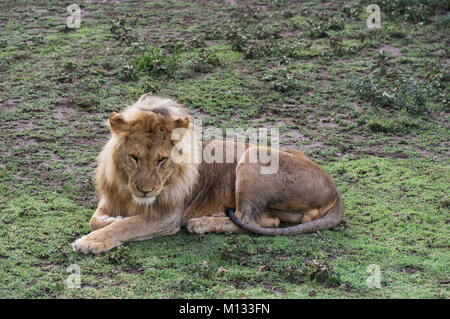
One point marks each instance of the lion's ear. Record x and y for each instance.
(117, 123)
(179, 129)
(182, 123)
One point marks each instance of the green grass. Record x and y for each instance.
(311, 69)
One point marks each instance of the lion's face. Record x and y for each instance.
(146, 161)
(145, 153)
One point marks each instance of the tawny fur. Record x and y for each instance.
(111, 182)
(138, 180)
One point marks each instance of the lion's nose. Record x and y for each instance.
(144, 192)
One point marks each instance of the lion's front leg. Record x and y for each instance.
(101, 218)
(132, 228)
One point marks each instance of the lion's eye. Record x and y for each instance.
(134, 158)
(162, 160)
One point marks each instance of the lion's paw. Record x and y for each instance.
(196, 225)
(93, 243)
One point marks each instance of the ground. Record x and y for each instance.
(370, 106)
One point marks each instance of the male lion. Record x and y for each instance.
(144, 191)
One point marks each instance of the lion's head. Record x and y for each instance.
(140, 151)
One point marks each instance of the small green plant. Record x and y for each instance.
(155, 62)
(197, 42)
(85, 101)
(233, 251)
(414, 10)
(86, 96)
(399, 94)
(217, 34)
(205, 62)
(319, 28)
(398, 125)
(338, 47)
(149, 86)
(439, 83)
(267, 32)
(411, 96)
(189, 284)
(322, 273)
(285, 51)
(237, 39)
(174, 47)
(122, 29)
(127, 73)
(119, 256)
(70, 66)
(382, 62)
(352, 10)
(284, 81)
(292, 274)
(3, 43)
(288, 14)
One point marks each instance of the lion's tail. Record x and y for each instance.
(329, 220)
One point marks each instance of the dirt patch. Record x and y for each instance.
(384, 154)
(233, 3)
(8, 106)
(24, 125)
(64, 107)
(392, 50)
(411, 269)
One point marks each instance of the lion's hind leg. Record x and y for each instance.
(211, 224)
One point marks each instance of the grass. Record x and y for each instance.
(371, 107)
